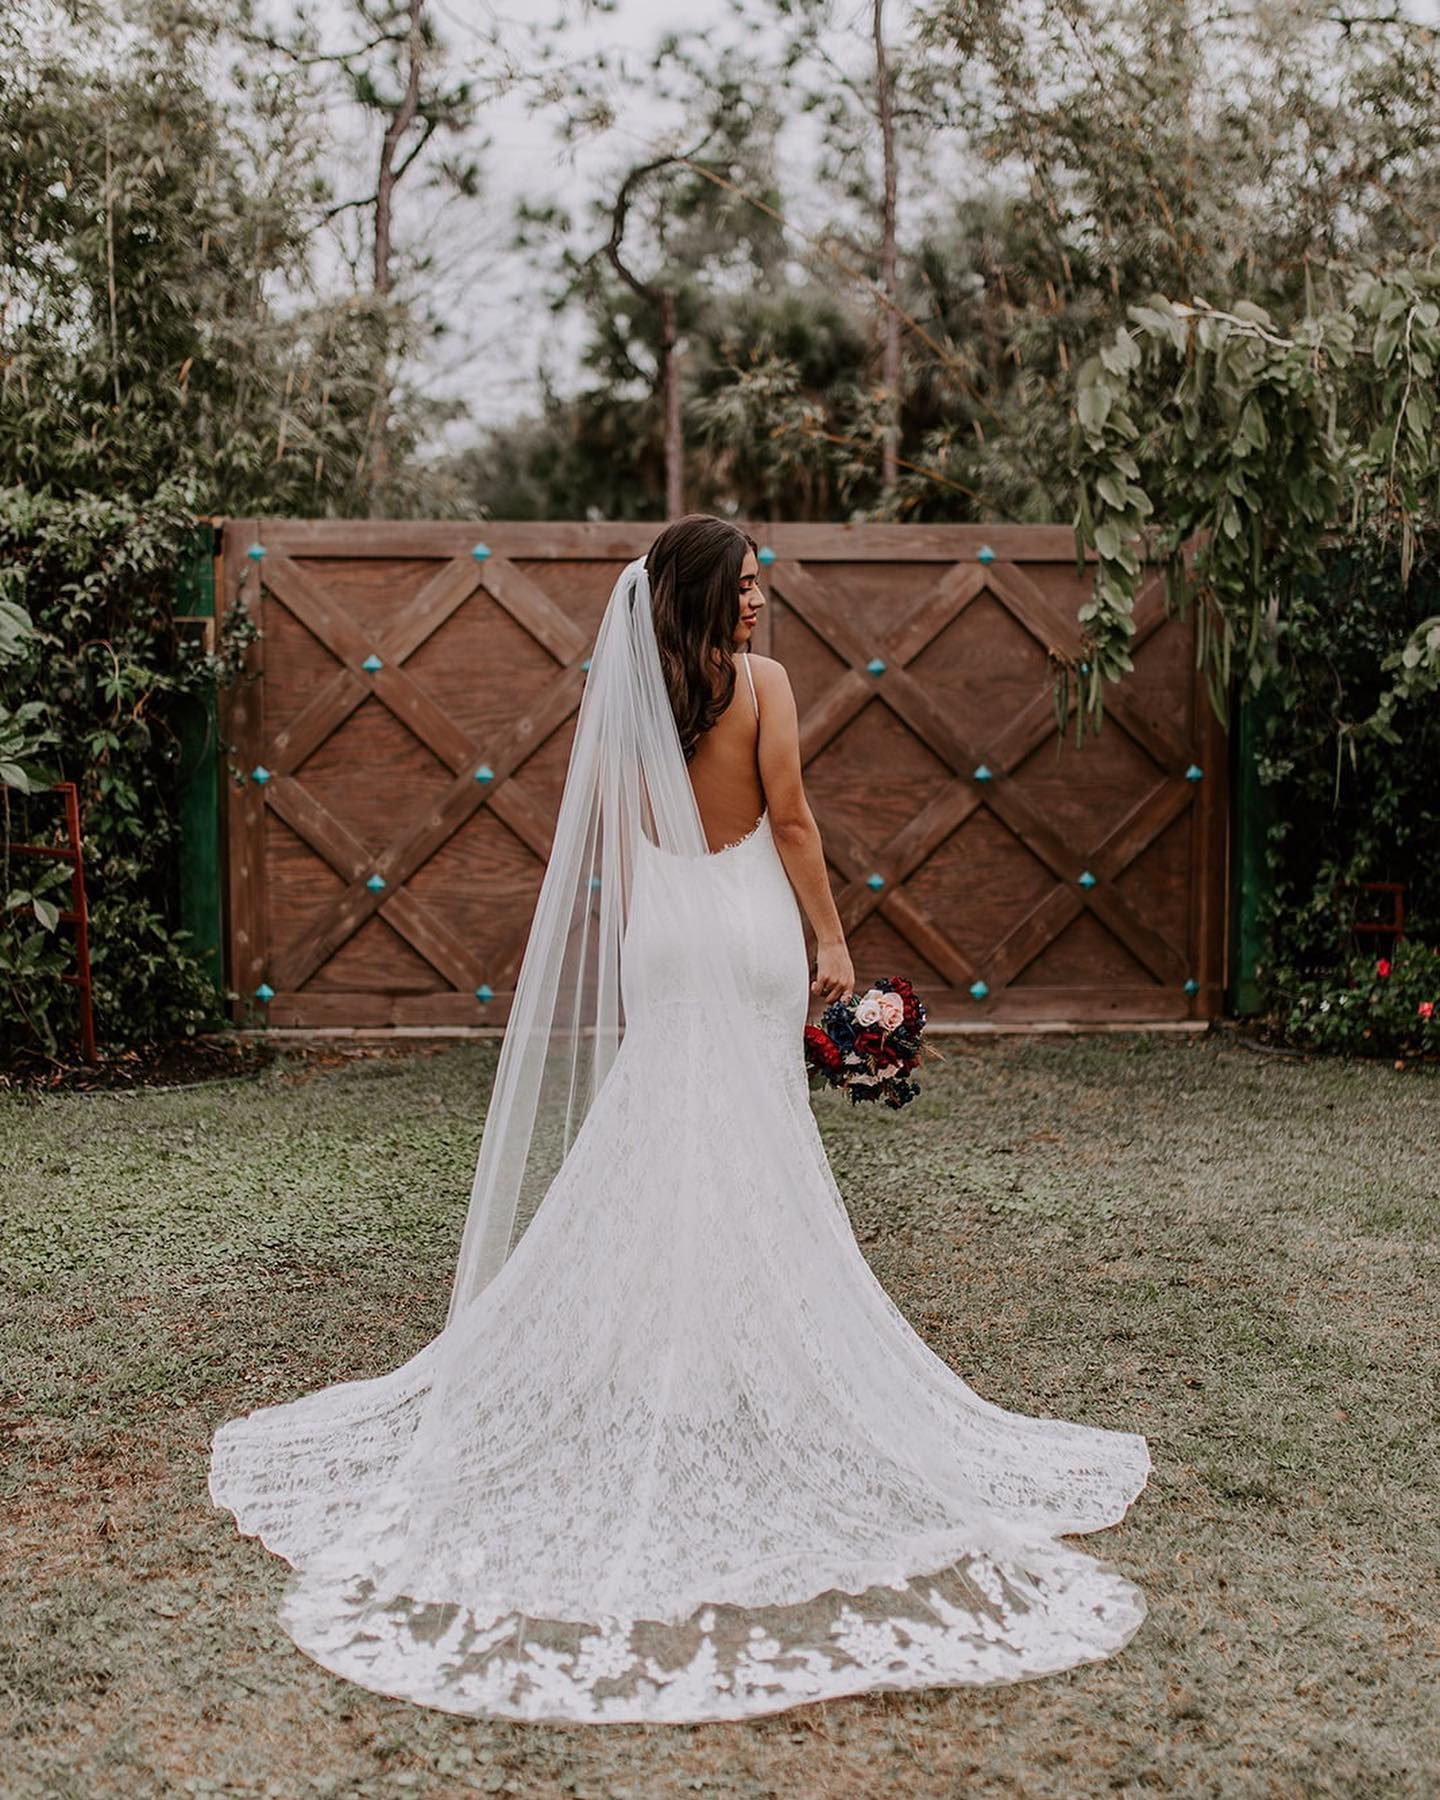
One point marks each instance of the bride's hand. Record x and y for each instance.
(834, 973)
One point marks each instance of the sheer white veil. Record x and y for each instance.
(627, 781)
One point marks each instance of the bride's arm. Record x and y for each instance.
(792, 824)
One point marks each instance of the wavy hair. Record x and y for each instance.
(694, 570)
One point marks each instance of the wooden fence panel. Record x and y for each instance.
(397, 756)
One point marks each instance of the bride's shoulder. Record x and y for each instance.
(766, 668)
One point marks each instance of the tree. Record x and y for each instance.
(386, 60)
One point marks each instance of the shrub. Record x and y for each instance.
(1375, 1006)
(1346, 808)
(97, 580)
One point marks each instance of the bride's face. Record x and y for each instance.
(751, 599)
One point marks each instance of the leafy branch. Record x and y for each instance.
(1257, 451)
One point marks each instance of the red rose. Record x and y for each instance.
(821, 1048)
(1426, 1009)
(1382, 969)
(870, 1041)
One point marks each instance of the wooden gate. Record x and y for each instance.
(397, 758)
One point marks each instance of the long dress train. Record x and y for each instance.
(693, 1462)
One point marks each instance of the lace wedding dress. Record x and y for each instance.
(681, 1457)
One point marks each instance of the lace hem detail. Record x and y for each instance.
(981, 1621)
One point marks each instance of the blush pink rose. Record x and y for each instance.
(892, 1011)
(868, 1010)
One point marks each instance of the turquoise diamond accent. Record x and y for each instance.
(586, 665)
(594, 883)
(875, 881)
(480, 553)
(372, 662)
(255, 552)
(1084, 668)
(765, 555)
(1192, 986)
(1194, 773)
(375, 883)
(260, 774)
(484, 992)
(1087, 880)
(983, 774)
(484, 773)
(876, 665)
(265, 992)
(979, 989)
(985, 554)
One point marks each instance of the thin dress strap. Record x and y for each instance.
(751, 679)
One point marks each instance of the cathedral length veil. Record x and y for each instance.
(674, 1455)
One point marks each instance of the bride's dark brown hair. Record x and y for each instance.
(694, 570)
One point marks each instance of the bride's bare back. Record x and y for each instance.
(725, 769)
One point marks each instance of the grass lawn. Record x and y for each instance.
(1233, 1253)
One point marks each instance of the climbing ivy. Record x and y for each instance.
(1264, 447)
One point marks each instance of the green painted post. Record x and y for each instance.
(1252, 811)
(198, 775)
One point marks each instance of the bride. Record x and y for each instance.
(675, 1454)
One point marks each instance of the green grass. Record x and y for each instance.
(1235, 1254)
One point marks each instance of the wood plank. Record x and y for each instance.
(452, 1009)
(1034, 933)
(430, 723)
(317, 828)
(318, 720)
(532, 823)
(807, 599)
(533, 609)
(441, 947)
(1210, 861)
(604, 541)
(399, 860)
(350, 644)
(921, 836)
(949, 597)
(327, 710)
(1024, 732)
(1087, 1005)
(316, 611)
(1014, 811)
(928, 719)
(1143, 942)
(242, 725)
(1163, 747)
(827, 718)
(933, 944)
(1028, 605)
(420, 618)
(1140, 827)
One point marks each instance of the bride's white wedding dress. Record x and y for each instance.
(683, 1458)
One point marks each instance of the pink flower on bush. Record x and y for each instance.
(1382, 969)
(1426, 1009)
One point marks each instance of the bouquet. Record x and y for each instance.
(869, 1044)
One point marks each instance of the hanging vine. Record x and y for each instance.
(1266, 449)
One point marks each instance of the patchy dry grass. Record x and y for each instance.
(1235, 1254)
